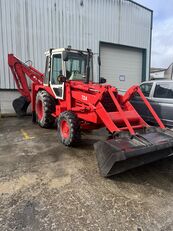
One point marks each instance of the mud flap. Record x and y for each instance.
(123, 153)
(20, 106)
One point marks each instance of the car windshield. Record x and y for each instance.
(76, 66)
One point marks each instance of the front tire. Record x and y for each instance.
(68, 128)
(45, 106)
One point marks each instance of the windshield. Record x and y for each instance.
(76, 66)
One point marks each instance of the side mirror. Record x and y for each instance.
(102, 80)
(65, 56)
(99, 60)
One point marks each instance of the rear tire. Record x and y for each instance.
(68, 128)
(45, 106)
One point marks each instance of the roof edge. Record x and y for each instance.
(138, 4)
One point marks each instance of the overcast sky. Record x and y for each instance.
(162, 42)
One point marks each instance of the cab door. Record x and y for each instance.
(57, 69)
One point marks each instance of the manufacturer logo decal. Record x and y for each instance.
(84, 97)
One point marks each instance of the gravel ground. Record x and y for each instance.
(46, 186)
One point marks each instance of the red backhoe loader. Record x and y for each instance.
(67, 95)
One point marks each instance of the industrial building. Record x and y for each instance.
(162, 73)
(119, 31)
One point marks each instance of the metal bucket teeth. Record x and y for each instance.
(123, 153)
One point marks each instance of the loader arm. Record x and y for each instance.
(124, 117)
(20, 70)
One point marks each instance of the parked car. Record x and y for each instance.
(160, 95)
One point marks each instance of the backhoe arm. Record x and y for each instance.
(20, 70)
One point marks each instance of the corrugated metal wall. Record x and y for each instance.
(29, 27)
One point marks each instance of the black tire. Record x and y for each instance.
(73, 136)
(45, 106)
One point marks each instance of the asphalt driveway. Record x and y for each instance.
(46, 186)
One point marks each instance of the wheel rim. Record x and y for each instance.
(65, 130)
(39, 109)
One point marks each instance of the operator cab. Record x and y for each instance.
(67, 64)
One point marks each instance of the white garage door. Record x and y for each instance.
(121, 66)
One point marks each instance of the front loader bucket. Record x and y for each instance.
(20, 105)
(123, 153)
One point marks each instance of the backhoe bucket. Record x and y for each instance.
(123, 153)
(20, 106)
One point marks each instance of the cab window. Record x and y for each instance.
(164, 90)
(76, 66)
(46, 76)
(146, 89)
(56, 68)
